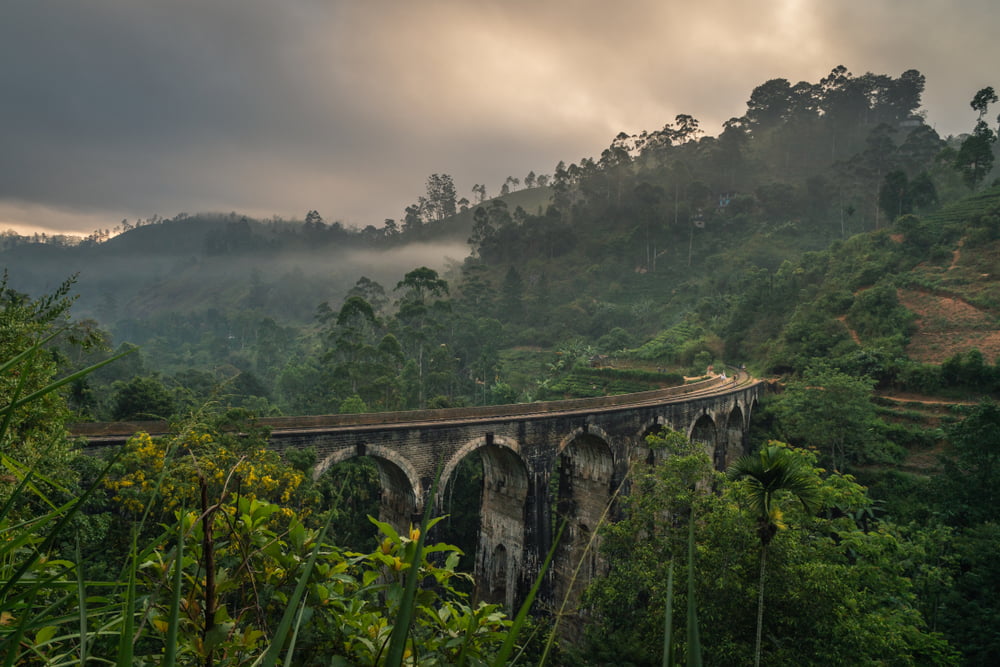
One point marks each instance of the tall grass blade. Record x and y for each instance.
(66, 380)
(8, 410)
(295, 634)
(81, 602)
(128, 615)
(16, 359)
(668, 619)
(522, 614)
(401, 630)
(174, 612)
(9, 504)
(271, 657)
(31, 477)
(693, 640)
(579, 565)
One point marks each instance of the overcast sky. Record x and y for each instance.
(114, 109)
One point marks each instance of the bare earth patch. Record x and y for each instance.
(946, 325)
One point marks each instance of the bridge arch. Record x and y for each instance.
(402, 492)
(468, 448)
(500, 547)
(704, 430)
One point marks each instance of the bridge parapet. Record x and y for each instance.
(97, 431)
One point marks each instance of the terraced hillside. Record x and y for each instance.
(957, 298)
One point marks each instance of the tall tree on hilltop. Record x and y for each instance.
(441, 201)
(975, 157)
(480, 191)
(769, 104)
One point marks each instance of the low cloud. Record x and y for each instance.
(115, 109)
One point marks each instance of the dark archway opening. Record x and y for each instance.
(704, 431)
(733, 444)
(462, 503)
(360, 487)
(485, 499)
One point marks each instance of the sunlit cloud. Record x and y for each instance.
(121, 109)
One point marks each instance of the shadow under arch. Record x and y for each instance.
(704, 430)
(468, 448)
(585, 485)
(733, 442)
(642, 451)
(402, 492)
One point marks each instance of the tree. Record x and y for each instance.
(831, 411)
(769, 104)
(480, 192)
(372, 292)
(314, 219)
(419, 284)
(895, 198)
(441, 197)
(970, 484)
(975, 156)
(837, 592)
(142, 398)
(420, 318)
(512, 296)
(770, 473)
(33, 435)
(413, 219)
(483, 230)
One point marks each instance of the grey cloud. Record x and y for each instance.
(280, 107)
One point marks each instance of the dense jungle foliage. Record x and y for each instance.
(828, 239)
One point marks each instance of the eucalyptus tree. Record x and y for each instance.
(422, 309)
(975, 156)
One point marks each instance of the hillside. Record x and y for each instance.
(957, 300)
(807, 229)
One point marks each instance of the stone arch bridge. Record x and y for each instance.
(571, 455)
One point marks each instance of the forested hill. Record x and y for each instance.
(824, 222)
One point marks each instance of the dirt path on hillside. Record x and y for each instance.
(854, 334)
(909, 397)
(956, 254)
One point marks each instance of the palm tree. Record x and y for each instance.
(768, 473)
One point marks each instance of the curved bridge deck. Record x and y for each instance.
(101, 434)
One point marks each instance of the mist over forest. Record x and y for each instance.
(827, 240)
